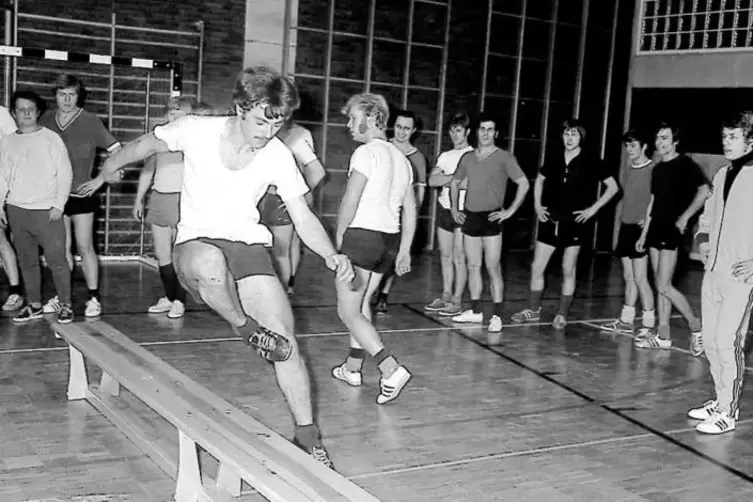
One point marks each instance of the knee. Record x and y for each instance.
(206, 267)
(664, 289)
(446, 255)
(459, 259)
(474, 267)
(494, 267)
(628, 276)
(568, 271)
(85, 247)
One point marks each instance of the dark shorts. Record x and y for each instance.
(478, 224)
(163, 209)
(371, 250)
(563, 234)
(273, 211)
(81, 205)
(243, 260)
(663, 235)
(445, 221)
(626, 240)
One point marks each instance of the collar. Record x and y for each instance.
(738, 163)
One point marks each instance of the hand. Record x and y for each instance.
(458, 216)
(138, 210)
(91, 186)
(743, 270)
(3, 219)
(703, 250)
(682, 224)
(542, 214)
(402, 263)
(55, 214)
(640, 246)
(500, 215)
(584, 215)
(341, 265)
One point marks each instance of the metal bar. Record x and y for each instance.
(156, 44)
(406, 68)
(286, 29)
(15, 43)
(63, 34)
(200, 69)
(516, 87)
(487, 42)
(327, 83)
(33, 69)
(424, 44)
(38, 17)
(7, 62)
(109, 127)
(147, 104)
(157, 30)
(581, 58)
(370, 44)
(434, 2)
(548, 90)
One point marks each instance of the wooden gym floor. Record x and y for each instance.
(536, 415)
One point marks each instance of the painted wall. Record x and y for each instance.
(730, 69)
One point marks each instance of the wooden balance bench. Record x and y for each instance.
(245, 449)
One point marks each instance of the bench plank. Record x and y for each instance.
(126, 369)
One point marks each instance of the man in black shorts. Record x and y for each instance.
(486, 172)
(678, 190)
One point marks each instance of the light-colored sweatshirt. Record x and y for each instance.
(35, 171)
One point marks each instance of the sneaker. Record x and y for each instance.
(390, 388)
(52, 305)
(14, 302)
(93, 308)
(696, 344)
(163, 305)
(559, 322)
(469, 316)
(450, 310)
(65, 314)
(381, 305)
(718, 423)
(436, 305)
(495, 324)
(177, 310)
(353, 378)
(318, 452)
(29, 313)
(527, 315)
(707, 410)
(269, 345)
(652, 342)
(644, 333)
(618, 326)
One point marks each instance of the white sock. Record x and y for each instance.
(628, 314)
(649, 318)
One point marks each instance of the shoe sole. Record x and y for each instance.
(28, 319)
(447, 314)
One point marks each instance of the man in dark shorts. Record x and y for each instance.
(375, 228)
(221, 252)
(678, 190)
(565, 200)
(486, 172)
(449, 234)
(636, 183)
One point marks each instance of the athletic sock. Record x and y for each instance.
(14, 290)
(663, 332)
(386, 362)
(498, 309)
(649, 319)
(94, 293)
(536, 299)
(307, 435)
(446, 297)
(564, 307)
(476, 306)
(695, 325)
(169, 278)
(628, 314)
(247, 329)
(354, 361)
(291, 281)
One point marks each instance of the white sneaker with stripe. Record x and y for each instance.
(718, 423)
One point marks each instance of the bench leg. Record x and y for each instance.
(108, 385)
(78, 382)
(229, 481)
(189, 477)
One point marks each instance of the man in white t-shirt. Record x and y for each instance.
(221, 254)
(378, 201)
(449, 236)
(7, 255)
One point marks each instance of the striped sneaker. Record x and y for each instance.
(390, 388)
(352, 378)
(618, 326)
(652, 342)
(718, 423)
(436, 305)
(318, 452)
(696, 344)
(527, 315)
(707, 410)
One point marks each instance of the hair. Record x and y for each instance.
(372, 105)
(577, 125)
(743, 121)
(408, 115)
(636, 135)
(461, 120)
(28, 95)
(486, 117)
(66, 81)
(263, 86)
(672, 127)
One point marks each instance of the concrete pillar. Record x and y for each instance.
(266, 26)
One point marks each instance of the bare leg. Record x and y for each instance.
(296, 254)
(83, 225)
(461, 269)
(669, 295)
(8, 257)
(445, 240)
(643, 286)
(474, 254)
(283, 236)
(355, 312)
(492, 255)
(68, 242)
(631, 288)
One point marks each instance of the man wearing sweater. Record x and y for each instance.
(35, 180)
(725, 239)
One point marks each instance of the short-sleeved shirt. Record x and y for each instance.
(571, 187)
(301, 143)
(418, 164)
(389, 176)
(448, 163)
(487, 179)
(168, 174)
(7, 124)
(674, 185)
(219, 203)
(83, 135)
(636, 192)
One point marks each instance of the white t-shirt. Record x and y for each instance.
(7, 124)
(389, 176)
(216, 202)
(301, 143)
(448, 162)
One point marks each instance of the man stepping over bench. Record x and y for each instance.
(221, 254)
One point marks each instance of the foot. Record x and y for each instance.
(559, 322)
(718, 423)
(318, 452)
(14, 302)
(653, 342)
(52, 306)
(696, 344)
(269, 345)
(391, 387)
(469, 316)
(451, 310)
(619, 326)
(707, 410)
(163, 305)
(177, 310)
(495, 324)
(436, 305)
(65, 314)
(93, 308)
(644, 333)
(29, 313)
(381, 305)
(353, 378)
(527, 315)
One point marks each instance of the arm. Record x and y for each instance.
(314, 173)
(639, 246)
(538, 189)
(700, 197)
(408, 219)
(437, 178)
(349, 203)
(64, 175)
(144, 147)
(520, 194)
(588, 213)
(420, 179)
(4, 185)
(455, 199)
